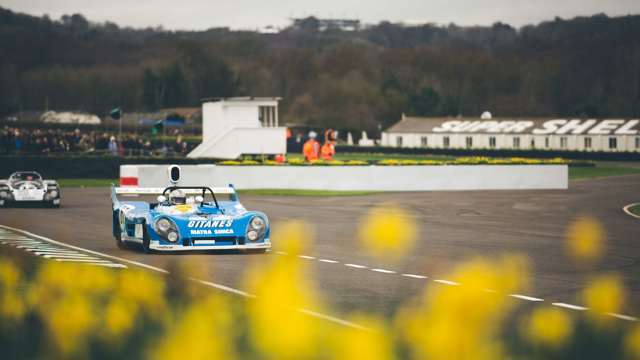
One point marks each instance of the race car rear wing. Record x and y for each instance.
(158, 191)
(230, 190)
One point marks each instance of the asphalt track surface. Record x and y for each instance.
(454, 227)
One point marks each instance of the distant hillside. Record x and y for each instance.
(580, 67)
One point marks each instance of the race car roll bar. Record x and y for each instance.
(203, 188)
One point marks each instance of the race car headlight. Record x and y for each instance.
(4, 194)
(172, 236)
(163, 225)
(257, 223)
(252, 235)
(257, 228)
(53, 193)
(167, 229)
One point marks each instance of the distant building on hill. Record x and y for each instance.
(609, 135)
(326, 24)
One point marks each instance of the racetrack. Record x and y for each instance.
(454, 226)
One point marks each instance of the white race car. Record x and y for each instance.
(28, 187)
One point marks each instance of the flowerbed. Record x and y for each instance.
(475, 160)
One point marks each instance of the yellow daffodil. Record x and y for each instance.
(548, 327)
(585, 240)
(604, 295)
(387, 232)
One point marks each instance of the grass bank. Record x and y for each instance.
(601, 170)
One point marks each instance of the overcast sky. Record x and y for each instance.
(253, 14)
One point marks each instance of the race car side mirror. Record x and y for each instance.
(162, 198)
(174, 174)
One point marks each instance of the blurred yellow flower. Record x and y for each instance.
(70, 322)
(9, 274)
(387, 232)
(119, 317)
(376, 343)
(294, 236)
(463, 322)
(632, 343)
(12, 304)
(604, 295)
(548, 327)
(204, 331)
(585, 240)
(282, 287)
(142, 289)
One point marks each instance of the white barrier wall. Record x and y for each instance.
(377, 178)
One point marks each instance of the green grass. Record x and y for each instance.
(87, 182)
(578, 173)
(635, 209)
(294, 192)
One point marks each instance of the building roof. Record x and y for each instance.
(462, 125)
(242, 98)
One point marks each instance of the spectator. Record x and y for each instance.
(113, 146)
(51, 141)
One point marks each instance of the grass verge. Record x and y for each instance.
(579, 173)
(635, 209)
(295, 192)
(87, 182)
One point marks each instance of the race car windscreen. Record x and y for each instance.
(191, 198)
(24, 176)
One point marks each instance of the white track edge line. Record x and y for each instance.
(569, 306)
(525, 297)
(626, 210)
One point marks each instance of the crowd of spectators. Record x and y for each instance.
(49, 141)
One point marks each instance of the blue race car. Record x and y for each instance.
(178, 221)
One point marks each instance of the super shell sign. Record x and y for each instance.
(550, 127)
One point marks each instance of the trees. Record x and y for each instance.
(587, 66)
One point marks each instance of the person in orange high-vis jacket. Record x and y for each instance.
(311, 148)
(328, 149)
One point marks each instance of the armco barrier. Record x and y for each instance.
(374, 178)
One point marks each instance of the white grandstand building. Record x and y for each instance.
(609, 135)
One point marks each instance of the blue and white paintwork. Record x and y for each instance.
(200, 226)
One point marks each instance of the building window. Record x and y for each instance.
(424, 141)
(638, 143)
(492, 141)
(613, 143)
(546, 142)
(445, 141)
(468, 141)
(399, 141)
(516, 142)
(563, 142)
(587, 143)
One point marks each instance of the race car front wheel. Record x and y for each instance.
(145, 241)
(119, 242)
